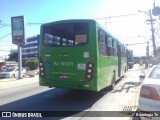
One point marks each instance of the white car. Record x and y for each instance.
(149, 98)
(12, 73)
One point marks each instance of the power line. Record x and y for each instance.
(117, 16)
(127, 15)
(30, 24)
(5, 50)
(5, 36)
(27, 24)
(135, 43)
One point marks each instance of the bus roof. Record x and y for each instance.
(84, 20)
(110, 34)
(68, 20)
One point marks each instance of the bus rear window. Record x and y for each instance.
(66, 34)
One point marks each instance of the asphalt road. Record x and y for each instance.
(38, 98)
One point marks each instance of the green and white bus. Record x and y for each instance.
(80, 54)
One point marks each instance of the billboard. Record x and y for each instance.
(18, 30)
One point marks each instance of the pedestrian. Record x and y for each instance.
(141, 63)
(146, 63)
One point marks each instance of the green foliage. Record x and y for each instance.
(13, 56)
(32, 64)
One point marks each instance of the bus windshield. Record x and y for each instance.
(66, 34)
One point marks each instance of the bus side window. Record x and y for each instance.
(109, 47)
(106, 39)
(114, 48)
(108, 51)
(123, 51)
(101, 35)
(101, 42)
(64, 42)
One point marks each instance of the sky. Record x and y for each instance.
(120, 17)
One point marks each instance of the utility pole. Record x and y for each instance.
(153, 37)
(147, 50)
(152, 30)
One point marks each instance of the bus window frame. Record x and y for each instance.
(102, 44)
(61, 38)
(107, 44)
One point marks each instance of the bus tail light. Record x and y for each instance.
(149, 93)
(41, 69)
(89, 71)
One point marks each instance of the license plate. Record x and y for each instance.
(64, 76)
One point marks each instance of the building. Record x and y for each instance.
(29, 50)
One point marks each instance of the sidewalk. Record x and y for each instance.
(124, 97)
(12, 83)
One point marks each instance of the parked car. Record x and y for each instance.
(31, 72)
(12, 73)
(149, 98)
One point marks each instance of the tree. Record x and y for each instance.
(13, 56)
(32, 64)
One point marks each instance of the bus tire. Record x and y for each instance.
(113, 81)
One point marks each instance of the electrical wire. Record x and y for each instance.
(5, 36)
(27, 24)
(117, 16)
(5, 50)
(136, 43)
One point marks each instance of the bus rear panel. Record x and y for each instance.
(68, 55)
(79, 54)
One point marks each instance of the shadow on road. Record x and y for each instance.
(127, 86)
(56, 100)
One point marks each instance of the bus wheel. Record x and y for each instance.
(113, 81)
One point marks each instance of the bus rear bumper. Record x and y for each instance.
(70, 85)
